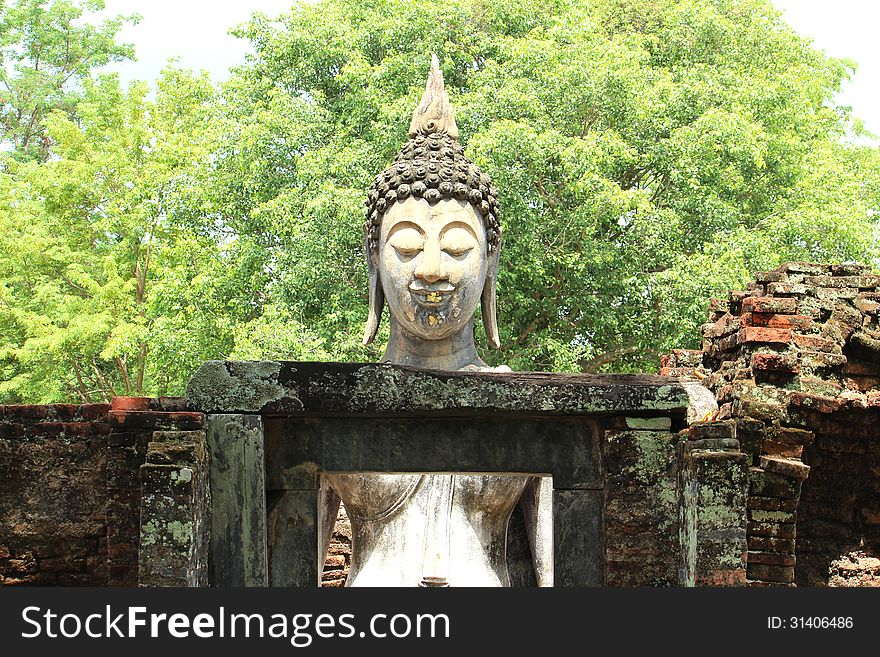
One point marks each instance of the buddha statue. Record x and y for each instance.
(433, 239)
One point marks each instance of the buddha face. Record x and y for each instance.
(432, 265)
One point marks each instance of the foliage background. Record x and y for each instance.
(649, 154)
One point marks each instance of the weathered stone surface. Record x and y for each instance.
(315, 389)
(793, 289)
(293, 527)
(816, 343)
(649, 423)
(785, 450)
(814, 402)
(786, 363)
(835, 293)
(793, 436)
(175, 509)
(811, 268)
(238, 555)
(772, 529)
(785, 467)
(768, 484)
(769, 305)
(723, 327)
(577, 538)
(768, 544)
(714, 486)
(705, 430)
(866, 344)
(53, 495)
(767, 573)
(298, 449)
(640, 528)
(863, 281)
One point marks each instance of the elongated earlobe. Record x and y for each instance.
(487, 301)
(377, 300)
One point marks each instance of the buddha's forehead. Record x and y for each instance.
(422, 213)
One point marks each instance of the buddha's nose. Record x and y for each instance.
(430, 268)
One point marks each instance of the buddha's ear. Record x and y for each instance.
(377, 297)
(487, 303)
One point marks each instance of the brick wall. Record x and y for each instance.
(794, 362)
(53, 516)
(70, 488)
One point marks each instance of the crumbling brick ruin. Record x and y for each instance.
(794, 362)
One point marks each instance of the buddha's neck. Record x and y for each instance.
(453, 353)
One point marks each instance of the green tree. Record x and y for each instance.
(106, 286)
(648, 153)
(46, 53)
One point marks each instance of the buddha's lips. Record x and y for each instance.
(431, 296)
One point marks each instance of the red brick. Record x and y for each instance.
(757, 571)
(759, 584)
(772, 530)
(769, 305)
(63, 411)
(156, 420)
(35, 412)
(335, 561)
(130, 403)
(722, 577)
(775, 362)
(816, 343)
(785, 467)
(91, 412)
(772, 504)
(765, 335)
(862, 368)
(871, 516)
(810, 401)
(775, 320)
(769, 544)
(794, 436)
(774, 448)
(771, 558)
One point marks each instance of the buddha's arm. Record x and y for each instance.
(537, 507)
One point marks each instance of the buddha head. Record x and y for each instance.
(432, 232)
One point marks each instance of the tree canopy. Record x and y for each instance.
(648, 154)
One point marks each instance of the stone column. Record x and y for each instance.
(175, 508)
(238, 553)
(714, 480)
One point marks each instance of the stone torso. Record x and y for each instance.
(407, 529)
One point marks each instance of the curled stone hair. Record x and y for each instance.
(432, 166)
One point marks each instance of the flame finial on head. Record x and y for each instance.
(434, 114)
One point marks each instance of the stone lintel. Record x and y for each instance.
(307, 389)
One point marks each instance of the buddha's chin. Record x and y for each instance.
(432, 322)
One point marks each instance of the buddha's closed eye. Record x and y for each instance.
(407, 242)
(457, 242)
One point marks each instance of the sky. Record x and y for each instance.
(196, 31)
